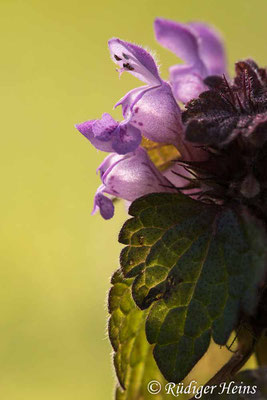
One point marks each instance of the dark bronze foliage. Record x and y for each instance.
(230, 110)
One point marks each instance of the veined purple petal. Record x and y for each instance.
(131, 98)
(200, 47)
(126, 138)
(180, 39)
(103, 128)
(108, 162)
(86, 128)
(134, 176)
(134, 59)
(155, 112)
(211, 48)
(108, 135)
(103, 204)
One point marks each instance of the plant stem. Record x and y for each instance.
(246, 348)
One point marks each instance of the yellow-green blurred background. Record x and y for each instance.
(56, 259)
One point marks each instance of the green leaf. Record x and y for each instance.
(133, 357)
(198, 265)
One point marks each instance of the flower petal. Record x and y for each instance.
(103, 128)
(86, 128)
(108, 135)
(155, 112)
(131, 98)
(126, 138)
(134, 59)
(211, 48)
(180, 39)
(108, 162)
(134, 176)
(104, 204)
(187, 84)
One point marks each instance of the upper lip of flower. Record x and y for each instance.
(134, 59)
(199, 45)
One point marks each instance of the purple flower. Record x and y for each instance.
(108, 135)
(128, 176)
(200, 47)
(151, 108)
(152, 111)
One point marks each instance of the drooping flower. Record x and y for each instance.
(200, 46)
(128, 177)
(108, 135)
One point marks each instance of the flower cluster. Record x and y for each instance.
(155, 120)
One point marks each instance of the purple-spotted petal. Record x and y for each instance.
(126, 138)
(134, 59)
(86, 129)
(155, 112)
(211, 48)
(107, 135)
(104, 204)
(103, 128)
(131, 98)
(180, 39)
